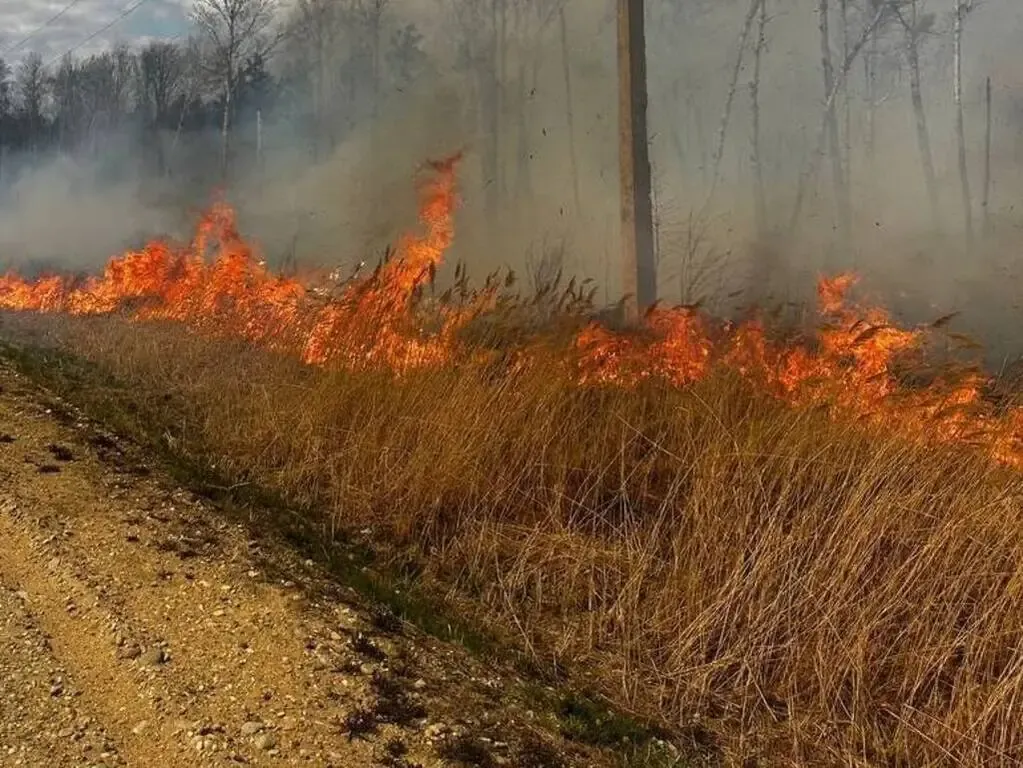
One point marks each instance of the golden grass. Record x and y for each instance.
(813, 593)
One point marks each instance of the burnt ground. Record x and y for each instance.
(140, 626)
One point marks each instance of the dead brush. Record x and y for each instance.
(808, 591)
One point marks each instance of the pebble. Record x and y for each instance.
(154, 657)
(129, 652)
(266, 741)
(251, 728)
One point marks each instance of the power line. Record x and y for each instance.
(39, 29)
(124, 14)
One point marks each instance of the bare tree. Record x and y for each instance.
(30, 84)
(315, 29)
(916, 26)
(6, 111)
(843, 6)
(759, 198)
(986, 199)
(161, 72)
(961, 8)
(875, 22)
(842, 201)
(719, 150)
(371, 15)
(68, 95)
(235, 31)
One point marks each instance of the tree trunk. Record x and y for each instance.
(987, 156)
(639, 278)
(259, 142)
(957, 88)
(759, 199)
(869, 74)
(829, 107)
(923, 137)
(225, 131)
(846, 103)
(834, 147)
(719, 150)
(490, 102)
(523, 179)
(569, 114)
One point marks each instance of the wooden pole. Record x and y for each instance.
(639, 272)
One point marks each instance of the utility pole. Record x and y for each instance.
(639, 283)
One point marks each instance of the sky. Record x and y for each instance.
(21, 18)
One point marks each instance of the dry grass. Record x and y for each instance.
(813, 593)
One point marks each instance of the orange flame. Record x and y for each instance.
(848, 368)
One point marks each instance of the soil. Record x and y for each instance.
(139, 626)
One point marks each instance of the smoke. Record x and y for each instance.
(61, 214)
(557, 193)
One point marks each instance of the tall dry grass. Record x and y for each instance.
(813, 593)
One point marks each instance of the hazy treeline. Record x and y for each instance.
(247, 63)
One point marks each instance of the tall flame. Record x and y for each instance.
(848, 367)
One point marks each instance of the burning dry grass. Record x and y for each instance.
(811, 591)
(784, 544)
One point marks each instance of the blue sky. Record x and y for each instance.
(19, 18)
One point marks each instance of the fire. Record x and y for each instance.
(218, 284)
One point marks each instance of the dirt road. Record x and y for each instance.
(139, 628)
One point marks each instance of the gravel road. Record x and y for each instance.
(139, 627)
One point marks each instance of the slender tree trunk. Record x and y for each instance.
(759, 199)
(870, 76)
(259, 142)
(677, 127)
(834, 146)
(957, 87)
(846, 101)
(377, 11)
(829, 104)
(490, 101)
(523, 179)
(987, 157)
(923, 136)
(694, 113)
(500, 78)
(225, 131)
(319, 94)
(566, 70)
(639, 277)
(719, 150)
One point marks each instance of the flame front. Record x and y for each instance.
(847, 368)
